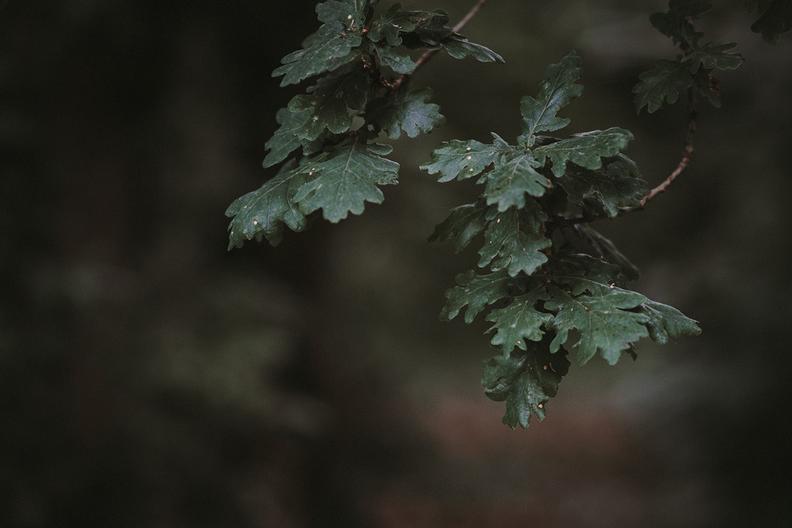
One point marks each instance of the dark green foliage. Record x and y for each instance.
(693, 71)
(552, 285)
(330, 131)
(775, 18)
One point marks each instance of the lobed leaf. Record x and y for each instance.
(514, 241)
(519, 322)
(461, 160)
(661, 85)
(525, 382)
(346, 179)
(558, 88)
(475, 292)
(331, 47)
(515, 175)
(666, 322)
(775, 18)
(602, 315)
(714, 57)
(585, 150)
(264, 212)
(409, 112)
(464, 224)
(460, 47)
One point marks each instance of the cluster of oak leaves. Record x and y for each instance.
(551, 286)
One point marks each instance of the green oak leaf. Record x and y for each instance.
(607, 192)
(520, 321)
(475, 292)
(609, 255)
(558, 88)
(346, 179)
(460, 47)
(514, 241)
(396, 59)
(714, 57)
(661, 85)
(332, 104)
(603, 317)
(585, 150)
(388, 26)
(464, 224)
(677, 22)
(525, 382)
(264, 212)
(396, 25)
(515, 175)
(461, 160)
(332, 46)
(286, 139)
(409, 112)
(666, 322)
(775, 18)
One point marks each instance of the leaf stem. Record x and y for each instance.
(428, 54)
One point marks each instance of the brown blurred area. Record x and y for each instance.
(150, 378)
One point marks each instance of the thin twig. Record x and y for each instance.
(687, 153)
(428, 54)
(470, 14)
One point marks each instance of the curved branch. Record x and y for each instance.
(687, 153)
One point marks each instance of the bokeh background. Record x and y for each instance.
(148, 378)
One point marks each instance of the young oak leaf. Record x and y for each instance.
(396, 59)
(519, 322)
(775, 18)
(460, 47)
(287, 138)
(603, 316)
(663, 84)
(677, 23)
(585, 150)
(606, 192)
(409, 112)
(461, 160)
(265, 211)
(525, 382)
(331, 105)
(348, 178)
(514, 241)
(514, 176)
(666, 322)
(464, 224)
(475, 292)
(334, 44)
(714, 57)
(558, 88)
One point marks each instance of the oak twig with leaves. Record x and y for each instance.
(330, 133)
(552, 287)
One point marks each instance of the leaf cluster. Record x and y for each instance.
(552, 287)
(693, 71)
(330, 136)
(775, 18)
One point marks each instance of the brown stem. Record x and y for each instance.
(687, 153)
(428, 54)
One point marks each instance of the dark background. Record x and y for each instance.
(148, 378)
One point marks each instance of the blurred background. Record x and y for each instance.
(148, 378)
